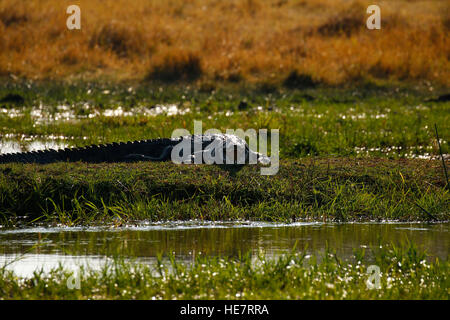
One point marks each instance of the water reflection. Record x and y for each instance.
(46, 247)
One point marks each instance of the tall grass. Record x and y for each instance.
(231, 40)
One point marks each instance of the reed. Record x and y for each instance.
(236, 40)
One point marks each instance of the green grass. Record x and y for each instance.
(344, 154)
(406, 273)
(344, 157)
(340, 189)
(390, 121)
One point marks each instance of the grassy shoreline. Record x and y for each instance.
(324, 189)
(405, 270)
(391, 121)
(345, 154)
(356, 111)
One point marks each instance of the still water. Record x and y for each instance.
(26, 250)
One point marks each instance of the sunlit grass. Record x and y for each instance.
(406, 273)
(394, 122)
(337, 189)
(251, 40)
(353, 129)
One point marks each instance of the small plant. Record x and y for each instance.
(345, 23)
(13, 15)
(299, 80)
(406, 273)
(120, 39)
(176, 66)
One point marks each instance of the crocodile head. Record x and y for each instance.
(234, 149)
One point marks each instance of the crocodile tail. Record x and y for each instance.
(88, 154)
(113, 152)
(44, 156)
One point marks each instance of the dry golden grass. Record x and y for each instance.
(255, 40)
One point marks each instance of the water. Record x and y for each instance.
(12, 146)
(12, 143)
(27, 250)
(49, 114)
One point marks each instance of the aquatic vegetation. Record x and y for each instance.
(341, 189)
(357, 110)
(405, 273)
(381, 121)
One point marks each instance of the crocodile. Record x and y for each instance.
(144, 150)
